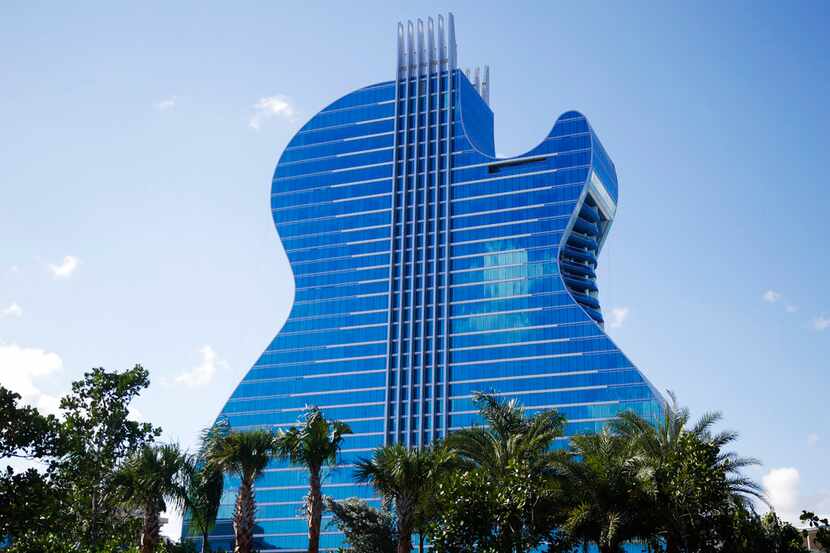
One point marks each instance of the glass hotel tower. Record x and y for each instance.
(427, 269)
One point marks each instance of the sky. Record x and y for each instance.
(138, 141)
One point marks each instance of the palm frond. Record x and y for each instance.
(706, 422)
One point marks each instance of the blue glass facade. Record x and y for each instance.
(427, 269)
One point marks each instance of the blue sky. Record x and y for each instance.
(138, 141)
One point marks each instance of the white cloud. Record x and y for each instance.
(166, 104)
(771, 296)
(204, 372)
(12, 311)
(821, 323)
(49, 404)
(618, 317)
(21, 366)
(781, 489)
(812, 439)
(271, 107)
(14, 269)
(66, 268)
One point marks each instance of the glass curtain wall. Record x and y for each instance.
(427, 269)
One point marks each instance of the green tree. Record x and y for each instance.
(203, 498)
(752, 533)
(367, 530)
(97, 433)
(405, 478)
(149, 480)
(468, 509)
(245, 454)
(693, 485)
(313, 444)
(29, 502)
(507, 495)
(822, 526)
(30, 505)
(605, 492)
(24, 432)
(781, 537)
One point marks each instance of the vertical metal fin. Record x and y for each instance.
(452, 64)
(395, 256)
(442, 46)
(421, 49)
(430, 46)
(411, 64)
(452, 54)
(477, 80)
(417, 359)
(401, 53)
(485, 85)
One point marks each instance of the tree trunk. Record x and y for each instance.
(671, 543)
(421, 541)
(315, 509)
(405, 528)
(150, 529)
(205, 546)
(405, 540)
(93, 523)
(243, 517)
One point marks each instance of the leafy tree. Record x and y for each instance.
(97, 434)
(24, 432)
(29, 502)
(507, 496)
(405, 479)
(47, 542)
(314, 444)
(695, 500)
(822, 526)
(150, 479)
(467, 510)
(781, 537)
(185, 546)
(694, 487)
(203, 498)
(29, 505)
(367, 530)
(75, 503)
(752, 533)
(245, 454)
(605, 492)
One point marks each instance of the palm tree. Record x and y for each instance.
(663, 456)
(510, 434)
(603, 487)
(203, 497)
(514, 443)
(244, 454)
(313, 444)
(404, 477)
(149, 479)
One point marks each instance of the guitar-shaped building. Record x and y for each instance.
(427, 269)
